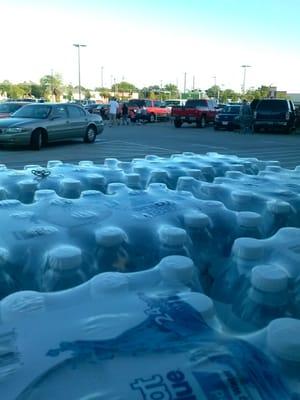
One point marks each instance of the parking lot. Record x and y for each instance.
(162, 139)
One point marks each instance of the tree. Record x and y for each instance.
(36, 90)
(213, 91)
(52, 86)
(123, 87)
(172, 89)
(228, 94)
(15, 92)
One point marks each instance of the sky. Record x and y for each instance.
(153, 42)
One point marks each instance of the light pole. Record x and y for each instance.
(102, 77)
(79, 84)
(244, 79)
(184, 83)
(215, 84)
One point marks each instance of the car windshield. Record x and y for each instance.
(232, 109)
(9, 108)
(33, 111)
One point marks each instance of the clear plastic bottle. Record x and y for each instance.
(70, 188)
(7, 284)
(266, 299)
(159, 176)
(278, 215)
(27, 189)
(62, 269)
(173, 241)
(197, 226)
(249, 224)
(111, 253)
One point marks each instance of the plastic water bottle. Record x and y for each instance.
(62, 269)
(70, 188)
(144, 173)
(159, 176)
(266, 299)
(111, 253)
(134, 181)
(95, 182)
(173, 241)
(283, 343)
(198, 226)
(278, 215)
(234, 278)
(249, 224)
(7, 285)
(27, 189)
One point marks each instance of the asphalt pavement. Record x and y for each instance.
(162, 139)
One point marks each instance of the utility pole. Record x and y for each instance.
(244, 78)
(184, 83)
(51, 85)
(215, 85)
(79, 83)
(193, 82)
(102, 76)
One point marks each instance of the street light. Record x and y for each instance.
(244, 80)
(79, 84)
(102, 76)
(215, 84)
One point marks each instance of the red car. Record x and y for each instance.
(200, 111)
(9, 107)
(155, 109)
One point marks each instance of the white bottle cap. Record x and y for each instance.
(117, 187)
(237, 168)
(65, 257)
(28, 185)
(53, 163)
(44, 194)
(194, 219)
(200, 302)
(211, 189)
(139, 169)
(159, 174)
(125, 165)
(195, 173)
(4, 256)
(3, 167)
(172, 236)
(70, 184)
(242, 196)
(177, 269)
(248, 249)
(110, 236)
(111, 162)
(279, 207)
(269, 278)
(249, 219)
(151, 157)
(133, 179)
(185, 183)
(188, 154)
(283, 339)
(32, 166)
(86, 163)
(96, 179)
(234, 174)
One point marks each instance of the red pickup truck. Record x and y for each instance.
(155, 109)
(200, 111)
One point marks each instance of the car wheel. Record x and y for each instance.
(36, 140)
(152, 118)
(90, 135)
(177, 123)
(202, 122)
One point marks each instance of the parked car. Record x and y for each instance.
(200, 111)
(155, 109)
(37, 124)
(228, 118)
(273, 114)
(9, 107)
(102, 110)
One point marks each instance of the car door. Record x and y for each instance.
(58, 123)
(78, 121)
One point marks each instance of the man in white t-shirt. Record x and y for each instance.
(113, 109)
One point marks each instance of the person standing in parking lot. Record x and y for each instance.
(125, 120)
(245, 117)
(113, 109)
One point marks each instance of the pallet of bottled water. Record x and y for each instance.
(160, 278)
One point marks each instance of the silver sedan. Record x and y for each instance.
(38, 124)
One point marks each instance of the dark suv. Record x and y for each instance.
(273, 114)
